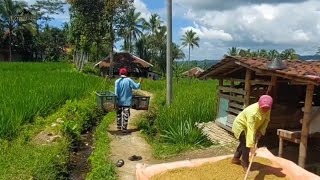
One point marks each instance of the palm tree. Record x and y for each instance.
(255, 53)
(263, 53)
(8, 9)
(190, 39)
(158, 45)
(233, 51)
(289, 54)
(177, 52)
(141, 47)
(132, 31)
(153, 25)
(242, 53)
(273, 54)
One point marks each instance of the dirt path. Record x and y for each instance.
(124, 146)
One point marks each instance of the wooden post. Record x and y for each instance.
(280, 146)
(272, 89)
(232, 86)
(220, 85)
(247, 88)
(218, 101)
(305, 125)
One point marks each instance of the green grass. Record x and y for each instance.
(173, 129)
(25, 158)
(27, 161)
(32, 97)
(101, 165)
(30, 89)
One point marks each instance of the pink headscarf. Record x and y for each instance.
(265, 101)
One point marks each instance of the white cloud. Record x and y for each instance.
(141, 7)
(228, 4)
(206, 50)
(278, 26)
(209, 34)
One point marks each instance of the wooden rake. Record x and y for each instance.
(253, 155)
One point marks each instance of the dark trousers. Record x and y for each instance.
(242, 150)
(123, 114)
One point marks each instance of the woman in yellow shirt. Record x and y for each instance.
(248, 127)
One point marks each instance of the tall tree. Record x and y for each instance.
(142, 49)
(263, 53)
(56, 40)
(44, 9)
(114, 12)
(273, 54)
(158, 46)
(289, 54)
(153, 24)
(190, 39)
(133, 28)
(87, 29)
(9, 9)
(177, 52)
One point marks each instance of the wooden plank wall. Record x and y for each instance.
(236, 101)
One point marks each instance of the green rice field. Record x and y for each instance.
(30, 89)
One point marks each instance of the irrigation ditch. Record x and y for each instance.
(78, 165)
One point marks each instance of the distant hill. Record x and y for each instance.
(204, 64)
(310, 57)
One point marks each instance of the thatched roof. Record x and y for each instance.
(124, 59)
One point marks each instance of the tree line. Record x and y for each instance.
(95, 27)
(32, 38)
(289, 54)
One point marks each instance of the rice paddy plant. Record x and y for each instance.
(153, 86)
(30, 89)
(193, 102)
(178, 134)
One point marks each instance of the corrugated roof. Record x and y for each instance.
(193, 72)
(299, 70)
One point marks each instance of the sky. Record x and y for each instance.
(248, 24)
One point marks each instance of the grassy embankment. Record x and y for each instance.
(172, 129)
(41, 101)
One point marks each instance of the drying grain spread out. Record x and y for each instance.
(224, 170)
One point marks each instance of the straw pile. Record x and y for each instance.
(108, 106)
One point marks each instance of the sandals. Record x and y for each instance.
(120, 163)
(135, 158)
